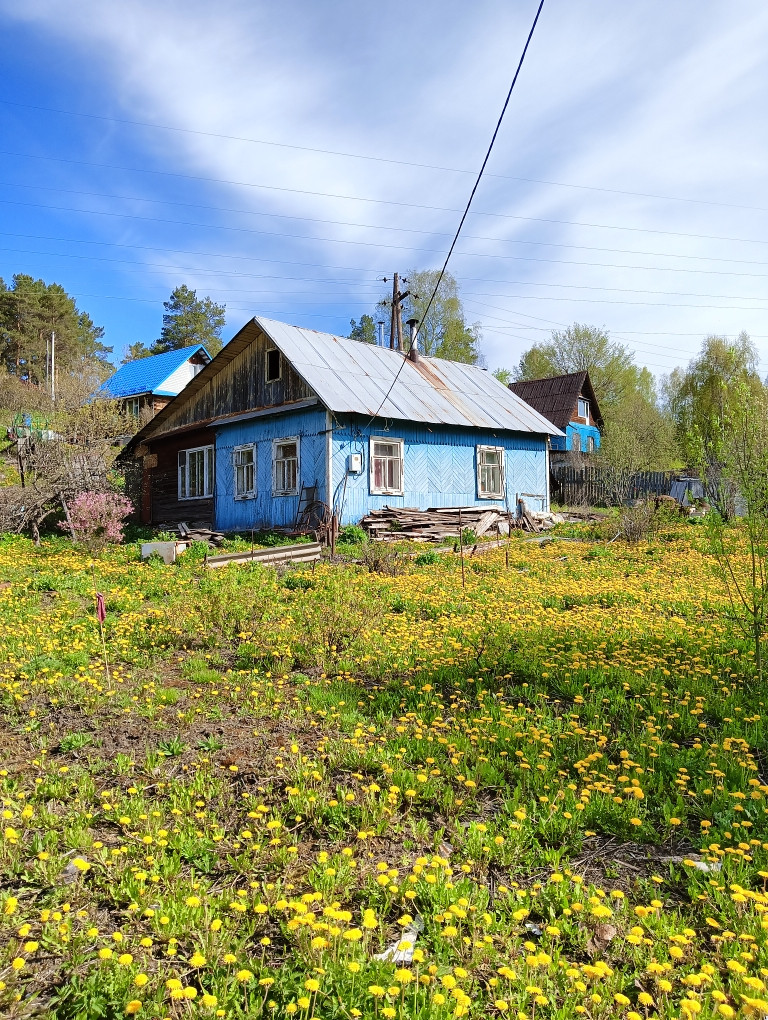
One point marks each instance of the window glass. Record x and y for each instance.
(576, 442)
(286, 466)
(196, 473)
(386, 466)
(583, 408)
(490, 471)
(245, 470)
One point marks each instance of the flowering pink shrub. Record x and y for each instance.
(98, 517)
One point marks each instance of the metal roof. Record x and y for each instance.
(355, 378)
(147, 375)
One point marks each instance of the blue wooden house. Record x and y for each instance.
(569, 402)
(282, 408)
(146, 385)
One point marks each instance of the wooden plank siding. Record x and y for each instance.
(239, 386)
(161, 481)
(439, 467)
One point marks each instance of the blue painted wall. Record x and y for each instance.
(584, 431)
(439, 466)
(266, 510)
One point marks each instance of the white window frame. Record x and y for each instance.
(248, 493)
(279, 376)
(133, 406)
(590, 444)
(209, 471)
(479, 451)
(275, 444)
(585, 402)
(372, 458)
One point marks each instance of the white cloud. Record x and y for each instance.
(658, 98)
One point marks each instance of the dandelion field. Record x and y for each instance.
(338, 794)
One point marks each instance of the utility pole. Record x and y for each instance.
(53, 366)
(396, 316)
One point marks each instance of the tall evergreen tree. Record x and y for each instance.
(190, 320)
(30, 311)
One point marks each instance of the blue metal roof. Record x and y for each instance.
(147, 375)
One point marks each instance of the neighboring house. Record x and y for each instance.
(281, 408)
(151, 383)
(569, 402)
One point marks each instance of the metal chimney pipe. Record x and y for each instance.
(413, 352)
(380, 334)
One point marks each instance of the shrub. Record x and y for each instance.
(353, 534)
(97, 518)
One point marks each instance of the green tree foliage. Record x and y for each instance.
(365, 330)
(136, 351)
(637, 436)
(611, 365)
(445, 333)
(504, 375)
(702, 399)
(187, 320)
(30, 310)
(740, 547)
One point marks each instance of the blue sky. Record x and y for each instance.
(283, 158)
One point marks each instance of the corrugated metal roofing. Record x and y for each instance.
(146, 375)
(355, 378)
(556, 396)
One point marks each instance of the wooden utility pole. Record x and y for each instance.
(396, 318)
(393, 311)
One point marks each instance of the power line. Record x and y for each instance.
(471, 196)
(383, 201)
(380, 159)
(340, 223)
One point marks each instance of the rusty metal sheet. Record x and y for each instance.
(358, 378)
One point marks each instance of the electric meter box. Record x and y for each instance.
(354, 463)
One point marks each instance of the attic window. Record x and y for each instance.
(583, 409)
(272, 364)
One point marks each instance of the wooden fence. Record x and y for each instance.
(596, 486)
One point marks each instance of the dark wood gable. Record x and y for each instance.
(235, 382)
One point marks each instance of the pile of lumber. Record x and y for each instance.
(190, 533)
(395, 523)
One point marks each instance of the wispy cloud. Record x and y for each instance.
(658, 99)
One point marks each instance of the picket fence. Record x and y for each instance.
(592, 486)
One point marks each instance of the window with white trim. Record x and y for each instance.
(133, 406)
(490, 472)
(285, 466)
(244, 467)
(386, 459)
(590, 444)
(583, 409)
(272, 365)
(196, 473)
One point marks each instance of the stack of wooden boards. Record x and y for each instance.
(189, 533)
(396, 524)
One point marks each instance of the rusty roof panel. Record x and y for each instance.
(358, 378)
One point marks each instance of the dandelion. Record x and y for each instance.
(134, 1006)
(244, 975)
